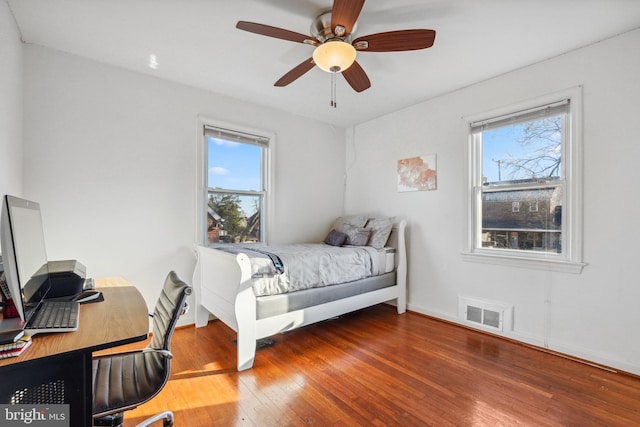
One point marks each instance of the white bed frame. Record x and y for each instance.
(222, 284)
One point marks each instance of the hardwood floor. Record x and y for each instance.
(376, 368)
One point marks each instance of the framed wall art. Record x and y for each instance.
(417, 173)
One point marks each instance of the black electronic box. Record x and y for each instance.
(67, 278)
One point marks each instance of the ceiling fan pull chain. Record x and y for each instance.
(334, 104)
(333, 90)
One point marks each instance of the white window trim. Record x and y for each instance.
(572, 261)
(201, 180)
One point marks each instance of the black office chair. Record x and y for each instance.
(125, 380)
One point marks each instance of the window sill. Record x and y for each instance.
(561, 266)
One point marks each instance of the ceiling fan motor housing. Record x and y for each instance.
(321, 29)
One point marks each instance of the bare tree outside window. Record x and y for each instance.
(541, 140)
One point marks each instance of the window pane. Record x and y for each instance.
(233, 218)
(523, 152)
(233, 165)
(539, 230)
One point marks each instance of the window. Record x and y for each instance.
(235, 177)
(527, 157)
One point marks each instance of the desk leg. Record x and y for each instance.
(64, 379)
(87, 406)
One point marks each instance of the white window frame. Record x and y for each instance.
(571, 258)
(201, 176)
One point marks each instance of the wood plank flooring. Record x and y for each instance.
(377, 368)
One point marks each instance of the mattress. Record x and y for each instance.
(273, 305)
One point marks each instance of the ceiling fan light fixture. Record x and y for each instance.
(334, 56)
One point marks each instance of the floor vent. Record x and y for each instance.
(488, 315)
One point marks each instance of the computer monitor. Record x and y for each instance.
(24, 254)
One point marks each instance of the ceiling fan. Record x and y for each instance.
(335, 46)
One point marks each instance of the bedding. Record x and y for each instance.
(287, 268)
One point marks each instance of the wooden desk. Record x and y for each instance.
(63, 360)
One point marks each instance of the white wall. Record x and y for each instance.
(10, 104)
(592, 315)
(111, 156)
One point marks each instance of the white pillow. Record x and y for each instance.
(380, 231)
(355, 220)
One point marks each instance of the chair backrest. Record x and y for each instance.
(171, 304)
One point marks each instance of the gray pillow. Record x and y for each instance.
(335, 238)
(356, 236)
(380, 230)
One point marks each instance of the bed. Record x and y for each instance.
(227, 283)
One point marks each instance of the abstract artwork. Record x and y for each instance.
(417, 173)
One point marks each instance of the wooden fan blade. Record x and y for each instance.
(397, 41)
(296, 72)
(345, 13)
(278, 33)
(356, 77)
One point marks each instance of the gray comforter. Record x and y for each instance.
(309, 265)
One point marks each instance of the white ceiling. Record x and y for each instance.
(196, 43)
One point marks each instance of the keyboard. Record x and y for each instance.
(55, 316)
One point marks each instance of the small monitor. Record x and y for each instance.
(24, 254)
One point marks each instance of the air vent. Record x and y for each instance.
(488, 315)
